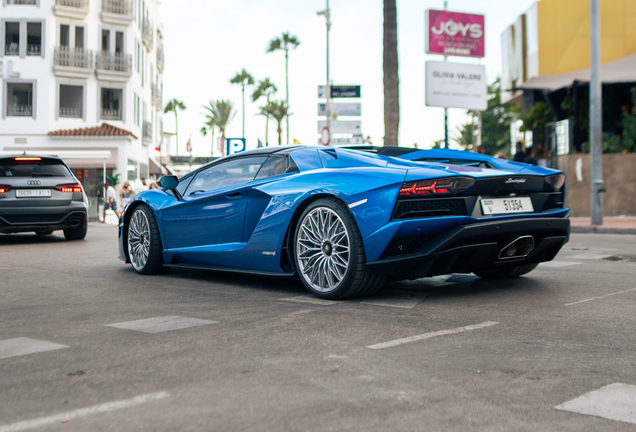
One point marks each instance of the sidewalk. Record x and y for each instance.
(611, 225)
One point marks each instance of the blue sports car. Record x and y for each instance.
(346, 220)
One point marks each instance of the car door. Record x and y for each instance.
(212, 211)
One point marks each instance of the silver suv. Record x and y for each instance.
(41, 194)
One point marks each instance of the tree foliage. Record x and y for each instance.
(278, 110)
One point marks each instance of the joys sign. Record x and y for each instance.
(454, 33)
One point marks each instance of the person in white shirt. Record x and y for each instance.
(143, 186)
(110, 201)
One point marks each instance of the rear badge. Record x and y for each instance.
(34, 182)
(515, 180)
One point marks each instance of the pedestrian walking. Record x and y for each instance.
(125, 194)
(520, 155)
(110, 201)
(531, 158)
(143, 187)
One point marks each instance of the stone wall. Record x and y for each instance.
(619, 174)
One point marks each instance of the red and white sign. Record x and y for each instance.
(455, 33)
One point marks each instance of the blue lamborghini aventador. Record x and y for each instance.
(345, 220)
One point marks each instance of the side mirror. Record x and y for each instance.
(170, 183)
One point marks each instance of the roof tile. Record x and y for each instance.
(104, 130)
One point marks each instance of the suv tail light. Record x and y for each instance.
(69, 187)
(556, 181)
(445, 186)
(27, 159)
(4, 189)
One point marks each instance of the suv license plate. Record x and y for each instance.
(506, 205)
(33, 193)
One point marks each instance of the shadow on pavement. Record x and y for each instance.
(31, 238)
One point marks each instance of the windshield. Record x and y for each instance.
(43, 168)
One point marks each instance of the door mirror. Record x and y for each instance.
(170, 183)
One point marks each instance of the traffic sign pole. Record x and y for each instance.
(445, 109)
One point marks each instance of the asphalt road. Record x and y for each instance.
(452, 354)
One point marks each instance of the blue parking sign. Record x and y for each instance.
(234, 145)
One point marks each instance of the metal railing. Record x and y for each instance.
(34, 50)
(159, 57)
(156, 95)
(12, 49)
(70, 112)
(20, 110)
(78, 57)
(22, 2)
(146, 131)
(113, 61)
(122, 7)
(80, 4)
(111, 114)
(147, 34)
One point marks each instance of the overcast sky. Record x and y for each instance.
(207, 41)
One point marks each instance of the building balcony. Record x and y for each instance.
(12, 49)
(118, 12)
(34, 50)
(111, 114)
(113, 66)
(77, 9)
(147, 36)
(146, 132)
(157, 99)
(20, 110)
(159, 58)
(72, 63)
(70, 112)
(22, 2)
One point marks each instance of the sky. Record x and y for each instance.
(206, 42)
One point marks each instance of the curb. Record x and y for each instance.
(602, 230)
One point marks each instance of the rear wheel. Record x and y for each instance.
(144, 242)
(75, 233)
(329, 253)
(505, 272)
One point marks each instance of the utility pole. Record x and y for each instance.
(327, 14)
(596, 125)
(445, 109)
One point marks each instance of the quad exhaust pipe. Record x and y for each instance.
(518, 248)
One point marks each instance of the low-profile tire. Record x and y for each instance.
(43, 232)
(75, 233)
(505, 272)
(329, 254)
(144, 242)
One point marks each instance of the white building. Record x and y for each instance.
(83, 75)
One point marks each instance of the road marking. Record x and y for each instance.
(431, 335)
(83, 412)
(558, 264)
(162, 324)
(600, 297)
(308, 298)
(615, 402)
(588, 256)
(399, 299)
(22, 346)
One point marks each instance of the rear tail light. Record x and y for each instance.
(556, 181)
(4, 189)
(445, 186)
(27, 159)
(69, 187)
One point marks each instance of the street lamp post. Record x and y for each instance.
(596, 146)
(327, 14)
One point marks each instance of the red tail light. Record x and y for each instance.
(69, 187)
(445, 186)
(556, 181)
(4, 189)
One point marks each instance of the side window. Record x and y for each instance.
(226, 174)
(273, 167)
(183, 184)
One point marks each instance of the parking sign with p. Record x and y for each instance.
(234, 145)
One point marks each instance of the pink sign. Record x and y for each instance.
(455, 33)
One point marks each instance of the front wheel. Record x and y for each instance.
(505, 272)
(144, 242)
(329, 253)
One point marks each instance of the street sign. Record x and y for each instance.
(325, 136)
(342, 109)
(234, 145)
(454, 33)
(456, 85)
(344, 127)
(340, 91)
(346, 141)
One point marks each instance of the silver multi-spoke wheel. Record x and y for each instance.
(323, 248)
(138, 239)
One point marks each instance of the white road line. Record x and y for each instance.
(83, 412)
(558, 264)
(600, 297)
(398, 299)
(431, 335)
(22, 346)
(311, 300)
(615, 402)
(162, 324)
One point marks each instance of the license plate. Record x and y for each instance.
(32, 193)
(506, 205)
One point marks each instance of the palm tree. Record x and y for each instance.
(221, 112)
(391, 78)
(209, 126)
(243, 78)
(265, 88)
(175, 105)
(278, 110)
(286, 42)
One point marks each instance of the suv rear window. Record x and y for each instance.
(43, 168)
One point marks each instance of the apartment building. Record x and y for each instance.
(83, 79)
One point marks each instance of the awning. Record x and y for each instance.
(618, 71)
(156, 168)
